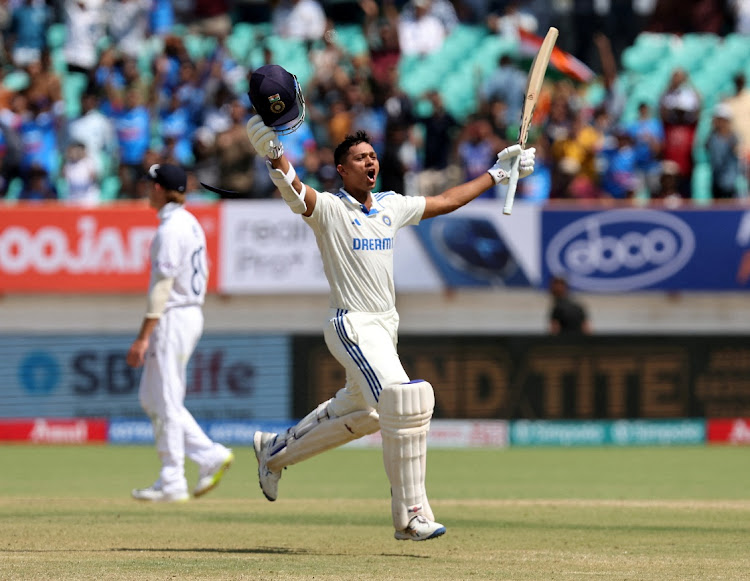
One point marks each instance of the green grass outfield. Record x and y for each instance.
(624, 514)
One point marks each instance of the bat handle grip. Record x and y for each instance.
(512, 184)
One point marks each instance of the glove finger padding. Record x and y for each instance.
(264, 139)
(500, 172)
(509, 152)
(526, 163)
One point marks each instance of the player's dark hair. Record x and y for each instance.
(349, 141)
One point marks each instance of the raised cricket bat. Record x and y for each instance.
(533, 87)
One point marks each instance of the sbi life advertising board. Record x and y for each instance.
(228, 376)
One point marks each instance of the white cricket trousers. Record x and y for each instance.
(162, 396)
(365, 344)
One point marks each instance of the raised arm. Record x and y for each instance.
(453, 198)
(299, 196)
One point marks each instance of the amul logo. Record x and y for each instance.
(620, 250)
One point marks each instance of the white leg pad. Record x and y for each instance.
(405, 412)
(319, 431)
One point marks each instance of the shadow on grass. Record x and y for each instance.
(222, 551)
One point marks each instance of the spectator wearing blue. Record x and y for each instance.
(478, 147)
(191, 92)
(296, 145)
(161, 17)
(722, 149)
(176, 127)
(28, 32)
(506, 83)
(132, 121)
(166, 66)
(619, 179)
(365, 115)
(108, 72)
(648, 140)
(38, 186)
(536, 188)
(38, 135)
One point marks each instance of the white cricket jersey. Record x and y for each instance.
(357, 246)
(178, 251)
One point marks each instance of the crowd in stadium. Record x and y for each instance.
(95, 91)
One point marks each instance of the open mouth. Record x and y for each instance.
(371, 176)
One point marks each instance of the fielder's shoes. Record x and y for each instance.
(268, 480)
(154, 493)
(420, 529)
(209, 478)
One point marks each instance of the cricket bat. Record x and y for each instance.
(533, 87)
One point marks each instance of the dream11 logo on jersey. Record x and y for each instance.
(620, 250)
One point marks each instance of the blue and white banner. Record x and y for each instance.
(230, 432)
(64, 376)
(671, 432)
(621, 250)
(479, 246)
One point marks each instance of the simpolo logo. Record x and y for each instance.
(620, 250)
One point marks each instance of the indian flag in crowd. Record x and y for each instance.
(563, 61)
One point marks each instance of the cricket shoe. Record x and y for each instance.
(268, 479)
(209, 478)
(154, 493)
(420, 529)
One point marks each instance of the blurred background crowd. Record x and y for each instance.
(646, 102)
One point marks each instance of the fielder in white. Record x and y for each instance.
(355, 230)
(169, 333)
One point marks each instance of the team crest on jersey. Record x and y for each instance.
(276, 104)
(386, 220)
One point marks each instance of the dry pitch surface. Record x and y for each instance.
(522, 514)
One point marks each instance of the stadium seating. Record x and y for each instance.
(73, 86)
(110, 188)
(468, 56)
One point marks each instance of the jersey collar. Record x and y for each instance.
(167, 210)
(376, 207)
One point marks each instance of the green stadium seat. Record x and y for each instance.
(646, 53)
(240, 42)
(351, 39)
(61, 184)
(73, 86)
(110, 188)
(16, 80)
(14, 189)
(59, 63)
(56, 35)
(490, 49)
(198, 46)
(701, 183)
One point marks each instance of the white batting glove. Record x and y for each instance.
(500, 172)
(264, 139)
